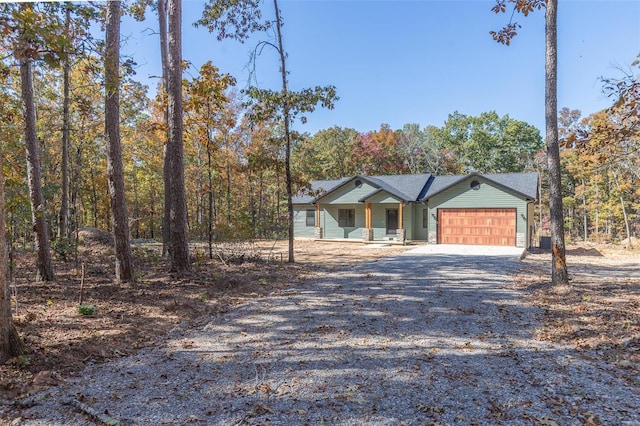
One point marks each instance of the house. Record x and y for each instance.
(480, 209)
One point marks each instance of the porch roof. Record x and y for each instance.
(405, 188)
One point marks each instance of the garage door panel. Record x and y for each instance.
(477, 226)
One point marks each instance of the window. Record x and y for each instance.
(425, 218)
(311, 217)
(347, 218)
(475, 185)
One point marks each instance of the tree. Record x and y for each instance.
(489, 143)
(119, 218)
(559, 273)
(164, 55)
(63, 217)
(378, 153)
(10, 343)
(25, 52)
(284, 106)
(326, 155)
(179, 251)
(209, 114)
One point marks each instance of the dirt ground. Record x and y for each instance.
(599, 314)
(128, 317)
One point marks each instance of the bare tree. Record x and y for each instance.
(119, 220)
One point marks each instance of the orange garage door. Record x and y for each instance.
(491, 227)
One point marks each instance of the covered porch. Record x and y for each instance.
(370, 222)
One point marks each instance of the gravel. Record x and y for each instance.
(411, 339)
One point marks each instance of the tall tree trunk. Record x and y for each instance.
(210, 195)
(179, 242)
(166, 167)
(559, 275)
(287, 132)
(45, 268)
(228, 170)
(585, 213)
(10, 343)
(597, 206)
(63, 217)
(624, 209)
(94, 197)
(119, 220)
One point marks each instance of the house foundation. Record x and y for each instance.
(401, 234)
(318, 234)
(367, 234)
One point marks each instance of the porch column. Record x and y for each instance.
(367, 232)
(318, 230)
(367, 215)
(400, 232)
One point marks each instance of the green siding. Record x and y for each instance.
(300, 228)
(531, 217)
(407, 221)
(383, 198)
(461, 196)
(347, 194)
(329, 221)
(419, 233)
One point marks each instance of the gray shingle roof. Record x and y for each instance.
(525, 184)
(424, 186)
(317, 187)
(411, 185)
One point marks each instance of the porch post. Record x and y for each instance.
(400, 232)
(318, 230)
(367, 215)
(367, 232)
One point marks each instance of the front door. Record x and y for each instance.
(392, 221)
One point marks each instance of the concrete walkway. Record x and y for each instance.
(462, 250)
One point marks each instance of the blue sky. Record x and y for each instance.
(399, 62)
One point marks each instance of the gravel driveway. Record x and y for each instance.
(409, 340)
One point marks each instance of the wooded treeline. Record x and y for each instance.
(74, 107)
(234, 164)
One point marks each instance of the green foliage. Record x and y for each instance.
(233, 19)
(62, 248)
(325, 155)
(491, 144)
(267, 105)
(87, 310)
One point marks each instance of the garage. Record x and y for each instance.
(477, 226)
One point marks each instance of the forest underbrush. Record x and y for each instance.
(599, 312)
(84, 316)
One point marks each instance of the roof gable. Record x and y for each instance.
(524, 185)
